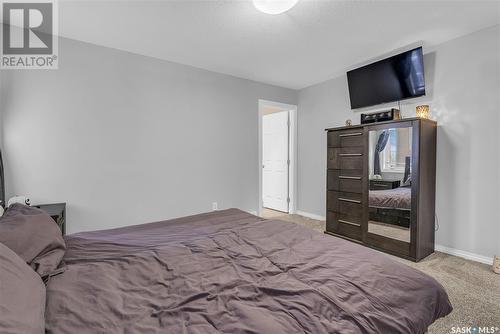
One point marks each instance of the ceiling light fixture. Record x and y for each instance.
(274, 7)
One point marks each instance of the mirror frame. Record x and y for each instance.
(394, 246)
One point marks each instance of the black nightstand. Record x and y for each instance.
(383, 184)
(57, 211)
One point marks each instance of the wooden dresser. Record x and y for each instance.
(397, 217)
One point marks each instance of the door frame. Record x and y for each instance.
(292, 152)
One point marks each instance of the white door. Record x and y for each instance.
(275, 161)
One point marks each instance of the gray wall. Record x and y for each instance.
(125, 139)
(463, 90)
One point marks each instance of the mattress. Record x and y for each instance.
(232, 272)
(398, 198)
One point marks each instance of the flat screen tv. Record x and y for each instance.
(392, 79)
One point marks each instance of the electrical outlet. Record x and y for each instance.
(214, 206)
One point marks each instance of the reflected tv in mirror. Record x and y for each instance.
(392, 79)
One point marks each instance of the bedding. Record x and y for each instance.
(22, 296)
(33, 235)
(232, 272)
(397, 198)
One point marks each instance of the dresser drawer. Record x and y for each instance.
(345, 158)
(345, 180)
(346, 138)
(344, 225)
(346, 203)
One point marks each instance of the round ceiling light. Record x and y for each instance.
(274, 6)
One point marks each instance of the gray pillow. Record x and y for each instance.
(33, 235)
(22, 296)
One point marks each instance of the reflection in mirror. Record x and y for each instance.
(390, 183)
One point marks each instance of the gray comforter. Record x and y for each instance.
(231, 272)
(398, 198)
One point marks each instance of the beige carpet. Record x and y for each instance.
(474, 290)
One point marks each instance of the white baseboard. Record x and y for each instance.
(310, 215)
(439, 248)
(464, 254)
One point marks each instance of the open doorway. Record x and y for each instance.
(277, 157)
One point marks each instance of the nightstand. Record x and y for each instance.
(57, 211)
(383, 184)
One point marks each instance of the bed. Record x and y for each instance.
(391, 206)
(232, 272)
(397, 198)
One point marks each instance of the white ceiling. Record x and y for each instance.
(313, 42)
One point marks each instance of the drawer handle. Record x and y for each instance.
(350, 154)
(348, 222)
(349, 200)
(350, 177)
(351, 134)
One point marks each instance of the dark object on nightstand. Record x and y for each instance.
(58, 212)
(384, 184)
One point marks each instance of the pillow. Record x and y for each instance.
(22, 296)
(33, 235)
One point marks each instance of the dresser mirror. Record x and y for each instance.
(389, 182)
